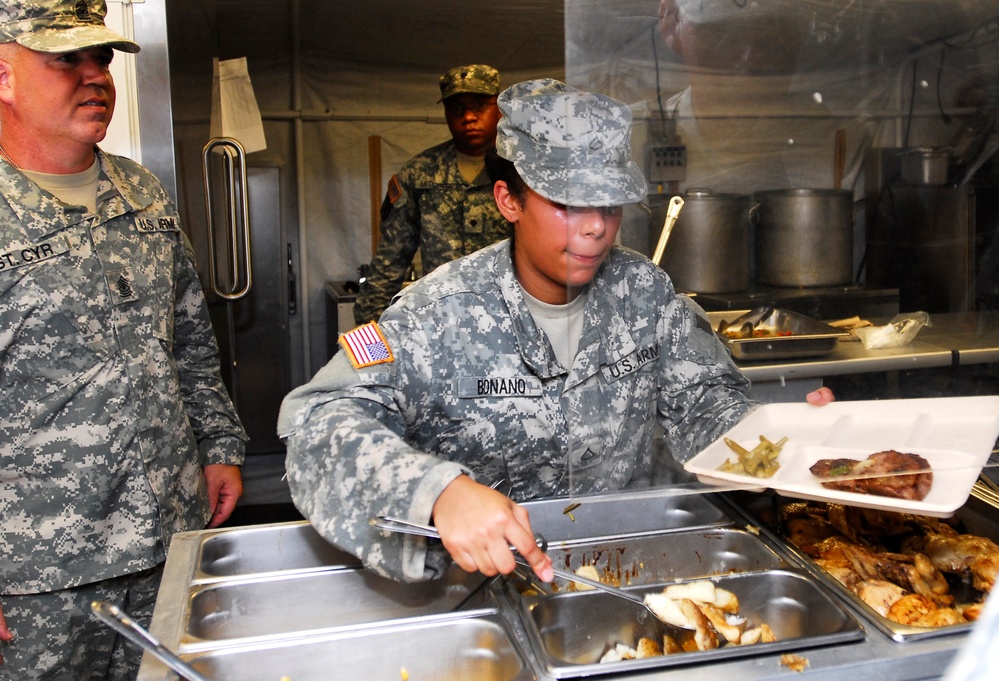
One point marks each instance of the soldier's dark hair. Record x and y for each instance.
(500, 168)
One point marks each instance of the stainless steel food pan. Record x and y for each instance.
(300, 604)
(808, 337)
(266, 549)
(593, 517)
(478, 648)
(570, 632)
(667, 557)
(975, 517)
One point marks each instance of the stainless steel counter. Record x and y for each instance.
(267, 602)
(954, 339)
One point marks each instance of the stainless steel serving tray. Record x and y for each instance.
(257, 551)
(594, 517)
(477, 647)
(666, 557)
(978, 518)
(570, 632)
(808, 337)
(301, 604)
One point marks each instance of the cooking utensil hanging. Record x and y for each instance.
(114, 617)
(672, 213)
(419, 529)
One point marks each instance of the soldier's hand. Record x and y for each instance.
(478, 525)
(820, 397)
(225, 487)
(5, 633)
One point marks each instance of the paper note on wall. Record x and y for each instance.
(235, 112)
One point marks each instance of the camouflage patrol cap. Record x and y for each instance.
(475, 79)
(59, 25)
(572, 147)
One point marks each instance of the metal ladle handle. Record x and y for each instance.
(113, 616)
(672, 213)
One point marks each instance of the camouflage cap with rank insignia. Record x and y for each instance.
(570, 146)
(474, 79)
(59, 25)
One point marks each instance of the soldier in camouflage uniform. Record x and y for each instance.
(441, 201)
(548, 362)
(115, 428)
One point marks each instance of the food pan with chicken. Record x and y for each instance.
(915, 575)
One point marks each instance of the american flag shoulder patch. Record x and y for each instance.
(366, 346)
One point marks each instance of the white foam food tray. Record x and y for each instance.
(956, 435)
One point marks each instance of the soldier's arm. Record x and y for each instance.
(220, 436)
(400, 239)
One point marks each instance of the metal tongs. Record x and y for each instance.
(392, 524)
(125, 625)
(746, 323)
(406, 527)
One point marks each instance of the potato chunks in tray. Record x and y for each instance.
(709, 611)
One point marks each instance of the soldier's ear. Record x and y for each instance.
(5, 78)
(509, 206)
(7, 75)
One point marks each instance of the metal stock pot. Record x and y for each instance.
(709, 249)
(804, 237)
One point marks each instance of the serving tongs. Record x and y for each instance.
(406, 527)
(130, 629)
(747, 322)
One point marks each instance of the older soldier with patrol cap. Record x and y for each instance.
(116, 430)
(441, 201)
(546, 361)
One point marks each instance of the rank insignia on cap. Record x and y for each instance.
(366, 346)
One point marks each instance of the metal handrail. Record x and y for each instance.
(237, 214)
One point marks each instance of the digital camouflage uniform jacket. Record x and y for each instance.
(474, 387)
(428, 206)
(111, 400)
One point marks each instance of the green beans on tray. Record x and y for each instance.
(760, 462)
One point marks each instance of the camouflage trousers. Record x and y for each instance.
(58, 638)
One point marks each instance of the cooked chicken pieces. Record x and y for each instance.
(879, 594)
(965, 553)
(920, 611)
(907, 583)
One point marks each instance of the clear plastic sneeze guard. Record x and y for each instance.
(739, 97)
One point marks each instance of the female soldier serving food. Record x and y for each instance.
(546, 360)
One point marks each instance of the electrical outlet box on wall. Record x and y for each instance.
(667, 163)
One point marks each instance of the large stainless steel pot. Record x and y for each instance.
(804, 237)
(709, 250)
(925, 166)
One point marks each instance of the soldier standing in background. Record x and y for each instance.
(115, 428)
(441, 201)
